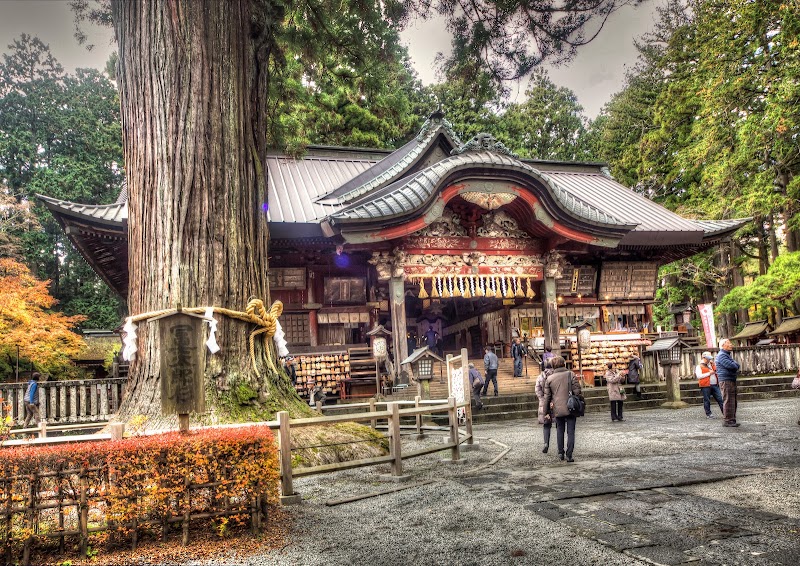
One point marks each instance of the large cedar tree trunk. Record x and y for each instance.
(193, 79)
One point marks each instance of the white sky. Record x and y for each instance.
(596, 74)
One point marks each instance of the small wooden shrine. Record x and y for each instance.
(462, 236)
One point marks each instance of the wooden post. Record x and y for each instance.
(394, 440)
(453, 417)
(43, 429)
(319, 406)
(397, 306)
(83, 517)
(374, 422)
(673, 389)
(183, 422)
(284, 440)
(550, 312)
(417, 399)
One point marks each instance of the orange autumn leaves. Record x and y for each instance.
(43, 337)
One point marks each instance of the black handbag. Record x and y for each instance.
(575, 403)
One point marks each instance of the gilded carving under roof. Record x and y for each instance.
(498, 224)
(489, 201)
(448, 224)
(473, 259)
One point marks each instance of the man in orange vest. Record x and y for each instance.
(706, 373)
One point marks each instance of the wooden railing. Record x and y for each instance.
(64, 402)
(392, 415)
(755, 360)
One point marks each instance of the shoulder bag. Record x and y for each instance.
(575, 403)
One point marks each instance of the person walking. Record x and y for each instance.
(545, 414)
(31, 399)
(547, 355)
(430, 338)
(517, 352)
(615, 393)
(727, 372)
(476, 383)
(634, 367)
(706, 373)
(491, 364)
(557, 388)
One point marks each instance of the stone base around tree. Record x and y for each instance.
(395, 479)
(294, 499)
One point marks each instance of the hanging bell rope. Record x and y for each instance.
(423, 294)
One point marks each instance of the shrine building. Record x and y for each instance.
(461, 237)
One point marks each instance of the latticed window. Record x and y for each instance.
(296, 328)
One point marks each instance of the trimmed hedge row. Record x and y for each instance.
(121, 487)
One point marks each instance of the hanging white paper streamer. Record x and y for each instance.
(213, 347)
(129, 351)
(280, 341)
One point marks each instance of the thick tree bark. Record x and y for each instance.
(192, 80)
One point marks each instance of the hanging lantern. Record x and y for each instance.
(518, 284)
(423, 294)
(435, 284)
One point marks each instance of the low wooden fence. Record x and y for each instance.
(755, 360)
(392, 415)
(64, 402)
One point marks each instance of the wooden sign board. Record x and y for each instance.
(628, 280)
(287, 278)
(181, 349)
(579, 280)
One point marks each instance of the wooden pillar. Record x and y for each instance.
(397, 306)
(506, 318)
(550, 315)
(313, 324)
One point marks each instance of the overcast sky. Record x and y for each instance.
(596, 74)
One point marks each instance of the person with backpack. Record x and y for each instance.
(706, 373)
(31, 399)
(616, 395)
(558, 388)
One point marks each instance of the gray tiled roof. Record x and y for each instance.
(716, 227)
(411, 192)
(110, 214)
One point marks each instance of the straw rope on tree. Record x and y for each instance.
(254, 313)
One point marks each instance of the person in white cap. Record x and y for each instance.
(706, 373)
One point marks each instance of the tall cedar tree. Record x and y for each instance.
(195, 80)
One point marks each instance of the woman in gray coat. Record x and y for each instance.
(545, 414)
(557, 388)
(615, 394)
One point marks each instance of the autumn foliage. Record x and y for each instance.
(136, 485)
(43, 337)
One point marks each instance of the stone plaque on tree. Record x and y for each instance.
(181, 350)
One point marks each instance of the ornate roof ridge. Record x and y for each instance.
(484, 141)
(435, 124)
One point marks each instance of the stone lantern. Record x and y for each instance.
(667, 350)
(421, 362)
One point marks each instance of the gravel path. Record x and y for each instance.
(663, 487)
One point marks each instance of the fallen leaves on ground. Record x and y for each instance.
(204, 544)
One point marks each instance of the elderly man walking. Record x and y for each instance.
(727, 371)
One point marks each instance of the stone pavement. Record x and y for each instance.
(663, 487)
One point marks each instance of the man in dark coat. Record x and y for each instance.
(727, 372)
(556, 391)
(517, 352)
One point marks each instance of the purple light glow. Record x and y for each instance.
(265, 207)
(342, 261)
